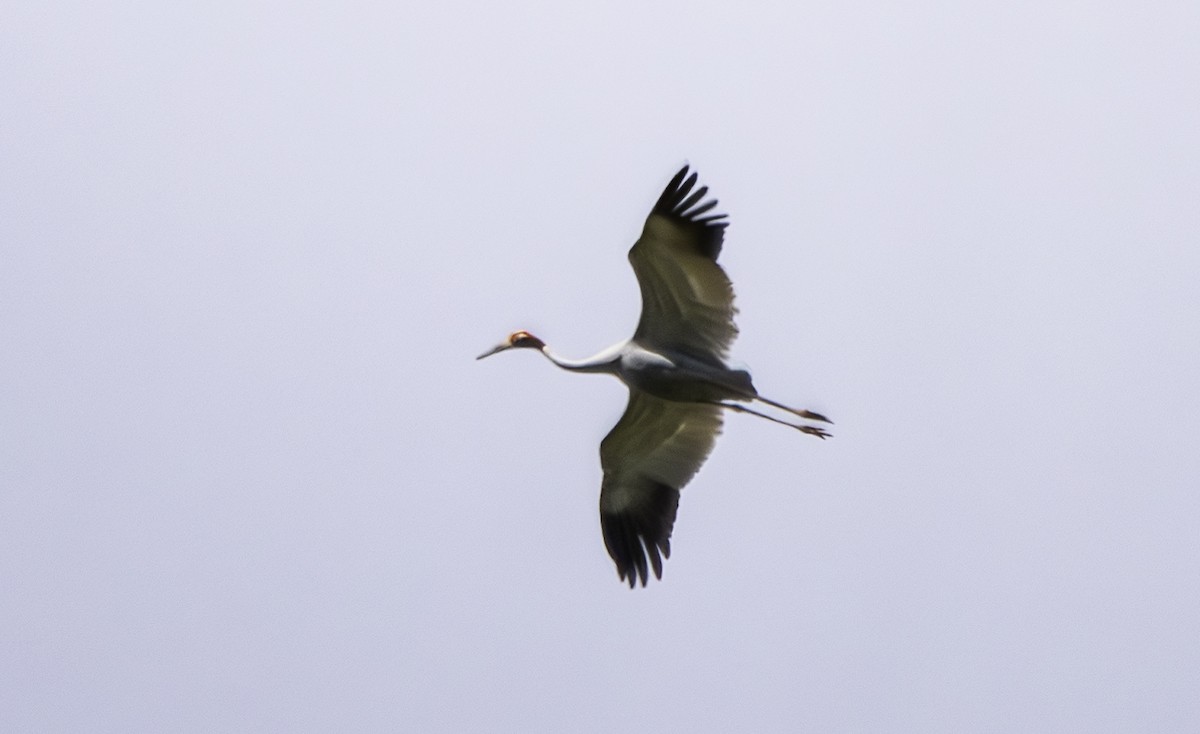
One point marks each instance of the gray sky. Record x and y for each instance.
(251, 478)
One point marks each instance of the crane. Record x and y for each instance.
(679, 384)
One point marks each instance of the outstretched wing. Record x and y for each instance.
(652, 452)
(687, 300)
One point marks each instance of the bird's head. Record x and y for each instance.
(515, 340)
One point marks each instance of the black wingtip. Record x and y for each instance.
(679, 204)
(638, 539)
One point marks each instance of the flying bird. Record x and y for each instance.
(679, 383)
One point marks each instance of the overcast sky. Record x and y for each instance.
(252, 479)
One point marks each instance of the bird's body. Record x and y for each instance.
(678, 381)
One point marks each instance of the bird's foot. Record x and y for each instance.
(817, 431)
(813, 416)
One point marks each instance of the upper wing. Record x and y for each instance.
(687, 300)
(655, 449)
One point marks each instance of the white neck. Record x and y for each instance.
(605, 361)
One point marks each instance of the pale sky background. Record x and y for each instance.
(252, 479)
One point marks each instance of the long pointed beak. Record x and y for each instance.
(498, 348)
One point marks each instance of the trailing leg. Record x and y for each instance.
(810, 430)
(807, 414)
